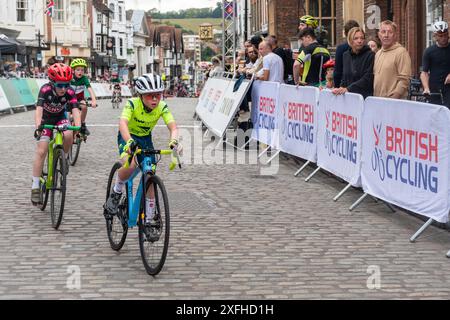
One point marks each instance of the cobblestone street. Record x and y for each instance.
(235, 234)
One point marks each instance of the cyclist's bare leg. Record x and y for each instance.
(83, 111)
(68, 140)
(39, 158)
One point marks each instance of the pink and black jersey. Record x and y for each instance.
(55, 106)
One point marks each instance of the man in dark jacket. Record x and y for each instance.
(358, 66)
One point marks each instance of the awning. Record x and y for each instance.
(10, 46)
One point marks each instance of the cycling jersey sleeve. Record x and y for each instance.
(86, 81)
(167, 115)
(426, 61)
(127, 111)
(72, 100)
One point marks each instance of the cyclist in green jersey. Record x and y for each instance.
(139, 116)
(79, 83)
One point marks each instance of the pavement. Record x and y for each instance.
(237, 232)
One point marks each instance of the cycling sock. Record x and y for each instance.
(150, 208)
(35, 184)
(118, 186)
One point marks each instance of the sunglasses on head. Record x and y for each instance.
(62, 85)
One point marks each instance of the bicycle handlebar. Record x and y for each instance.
(150, 152)
(433, 94)
(61, 127)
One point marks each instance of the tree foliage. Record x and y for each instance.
(191, 13)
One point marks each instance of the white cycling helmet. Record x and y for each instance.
(149, 83)
(440, 26)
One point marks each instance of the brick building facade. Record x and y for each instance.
(414, 18)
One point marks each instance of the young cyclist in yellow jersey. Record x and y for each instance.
(139, 116)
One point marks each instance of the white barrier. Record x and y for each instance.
(212, 96)
(339, 136)
(298, 123)
(218, 103)
(99, 90)
(265, 113)
(406, 155)
(41, 82)
(125, 91)
(4, 104)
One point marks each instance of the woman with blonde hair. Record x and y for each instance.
(358, 65)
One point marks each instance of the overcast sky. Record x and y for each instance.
(169, 5)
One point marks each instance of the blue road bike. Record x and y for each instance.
(153, 239)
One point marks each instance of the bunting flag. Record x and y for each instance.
(50, 6)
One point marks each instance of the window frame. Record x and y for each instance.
(24, 10)
(58, 11)
(331, 18)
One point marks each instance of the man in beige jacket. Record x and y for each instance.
(392, 68)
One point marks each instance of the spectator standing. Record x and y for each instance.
(358, 65)
(287, 60)
(312, 61)
(435, 74)
(339, 67)
(273, 68)
(392, 69)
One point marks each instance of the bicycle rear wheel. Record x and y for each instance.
(117, 225)
(154, 246)
(58, 191)
(74, 151)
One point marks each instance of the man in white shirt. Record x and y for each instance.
(273, 67)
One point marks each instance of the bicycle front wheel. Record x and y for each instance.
(117, 225)
(74, 151)
(58, 191)
(154, 240)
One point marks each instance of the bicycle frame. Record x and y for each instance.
(134, 203)
(57, 141)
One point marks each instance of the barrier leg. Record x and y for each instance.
(11, 111)
(219, 143)
(265, 150)
(390, 206)
(206, 133)
(421, 230)
(25, 108)
(273, 157)
(312, 174)
(357, 203)
(302, 168)
(247, 143)
(340, 194)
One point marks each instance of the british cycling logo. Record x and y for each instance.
(298, 122)
(411, 157)
(341, 135)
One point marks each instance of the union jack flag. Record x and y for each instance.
(50, 6)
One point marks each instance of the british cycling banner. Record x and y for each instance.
(297, 115)
(406, 155)
(339, 135)
(264, 112)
